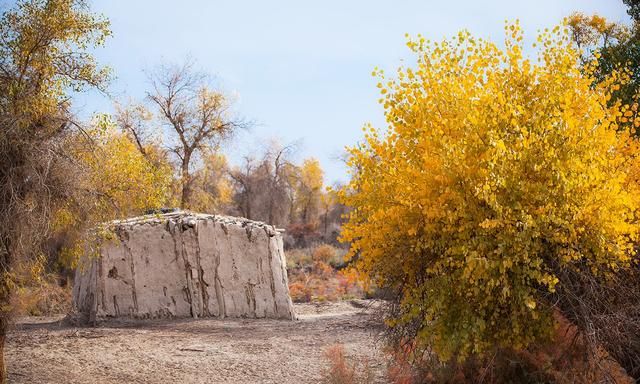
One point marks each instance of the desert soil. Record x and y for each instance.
(46, 350)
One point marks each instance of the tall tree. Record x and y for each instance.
(43, 54)
(615, 47)
(634, 9)
(197, 116)
(309, 185)
(263, 186)
(213, 190)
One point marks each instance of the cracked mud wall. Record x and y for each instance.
(186, 265)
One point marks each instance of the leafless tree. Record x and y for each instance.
(263, 188)
(197, 116)
(133, 119)
(243, 178)
(278, 169)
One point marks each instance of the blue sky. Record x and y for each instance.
(300, 69)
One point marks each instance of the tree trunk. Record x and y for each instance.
(186, 182)
(248, 205)
(3, 336)
(326, 222)
(271, 204)
(184, 198)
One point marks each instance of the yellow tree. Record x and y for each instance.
(309, 183)
(589, 32)
(496, 171)
(45, 49)
(116, 180)
(198, 118)
(212, 190)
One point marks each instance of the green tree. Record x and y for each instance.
(634, 9)
(44, 53)
(615, 46)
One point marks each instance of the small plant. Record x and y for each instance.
(43, 298)
(299, 258)
(324, 253)
(341, 371)
(300, 292)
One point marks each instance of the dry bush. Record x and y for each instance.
(606, 310)
(323, 270)
(314, 275)
(299, 258)
(565, 359)
(324, 253)
(341, 371)
(45, 299)
(299, 292)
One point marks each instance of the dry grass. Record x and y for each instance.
(44, 299)
(343, 371)
(563, 360)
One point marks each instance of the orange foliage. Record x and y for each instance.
(299, 292)
(340, 371)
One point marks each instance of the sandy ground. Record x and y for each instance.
(44, 350)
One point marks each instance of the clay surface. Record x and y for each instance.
(184, 264)
(206, 350)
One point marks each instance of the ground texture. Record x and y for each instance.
(45, 350)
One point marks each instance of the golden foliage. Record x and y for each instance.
(122, 179)
(495, 170)
(594, 30)
(212, 191)
(118, 180)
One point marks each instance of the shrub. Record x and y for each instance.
(341, 371)
(323, 270)
(299, 258)
(564, 360)
(324, 253)
(299, 292)
(495, 173)
(46, 298)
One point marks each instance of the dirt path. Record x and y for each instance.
(193, 351)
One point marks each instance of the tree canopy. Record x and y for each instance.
(495, 171)
(44, 55)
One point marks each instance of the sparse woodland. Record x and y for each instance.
(496, 216)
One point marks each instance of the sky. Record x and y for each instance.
(299, 70)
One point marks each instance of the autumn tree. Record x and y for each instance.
(44, 54)
(594, 32)
(116, 180)
(332, 212)
(308, 185)
(213, 189)
(263, 189)
(615, 46)
(197, 116)
(244, 185)
(497, 172)
(135, 121)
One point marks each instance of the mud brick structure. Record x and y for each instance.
(183, 264)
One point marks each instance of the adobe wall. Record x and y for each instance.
(186, 265)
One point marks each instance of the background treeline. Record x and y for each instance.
(166, 151)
